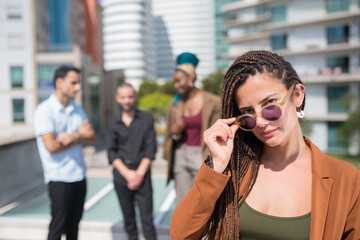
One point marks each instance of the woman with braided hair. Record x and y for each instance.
(263, 179)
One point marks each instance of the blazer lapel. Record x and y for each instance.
(321, 191)
(205, 115)
(319, 205)
(206, 111)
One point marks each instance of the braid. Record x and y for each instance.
(247, 150)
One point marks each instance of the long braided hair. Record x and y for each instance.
(247, 150)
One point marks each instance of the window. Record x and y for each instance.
(18, 110)
(278, 42)
(334, 97)
(14, 12)
(16, 75)
(45, 80)
(337, 5)
(342, 63)
(338, 34)
(333, 143)
(278, 14)
(94, 84)
(261, 11)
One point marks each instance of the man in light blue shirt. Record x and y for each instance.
(60, 127)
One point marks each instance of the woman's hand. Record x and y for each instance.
(219, 138)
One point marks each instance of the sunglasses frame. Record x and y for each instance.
(254, 115)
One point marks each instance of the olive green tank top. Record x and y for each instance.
(257, 225)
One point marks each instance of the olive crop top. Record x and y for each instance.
(256, 225)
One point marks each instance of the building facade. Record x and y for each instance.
(184, 26)
(128, 37)
(221, 47)
(58, 40)
(17, 86)
(321, 38)
(38, 36)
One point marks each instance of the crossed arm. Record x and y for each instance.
(85, 134)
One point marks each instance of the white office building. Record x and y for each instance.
(184, 26)
(321, 38)
(128, 37)
(17, 86)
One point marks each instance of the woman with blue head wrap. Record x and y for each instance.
(191, 113)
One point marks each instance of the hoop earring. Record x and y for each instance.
(300, 113)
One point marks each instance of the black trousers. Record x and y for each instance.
(127, 199)
(67, 203)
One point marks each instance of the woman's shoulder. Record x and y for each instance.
(341, 168)
(341, 172)
(210, 97)
(328, 166)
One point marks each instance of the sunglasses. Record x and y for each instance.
(271, 112)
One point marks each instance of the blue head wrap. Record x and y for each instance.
(187, 58)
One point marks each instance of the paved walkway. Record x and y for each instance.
(98, 166)
(102, 219)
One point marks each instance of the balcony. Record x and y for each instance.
(330, 117)
(332, 76)
(313, 49)
(334, 17)
(232, 56)
(72, 55)
(310, 50)
(248, 37)
(241, 22)
(54, 47)
(246, 4)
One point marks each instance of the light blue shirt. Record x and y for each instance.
(50, 116)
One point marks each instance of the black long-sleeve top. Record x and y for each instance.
(132, 144)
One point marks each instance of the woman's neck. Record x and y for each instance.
(190, 94)
(294, 149)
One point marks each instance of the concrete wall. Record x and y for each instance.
(21, 170)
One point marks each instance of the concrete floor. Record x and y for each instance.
(98, 165)
(29, 217)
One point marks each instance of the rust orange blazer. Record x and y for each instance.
(335, 200)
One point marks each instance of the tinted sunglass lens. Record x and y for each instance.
(247, 122)
(271, 113)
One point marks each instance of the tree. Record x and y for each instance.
(213, 82)
(351, 127)
(155, 98)
(156, 103)
(306, 127)
(148, 86)
(168, 88)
